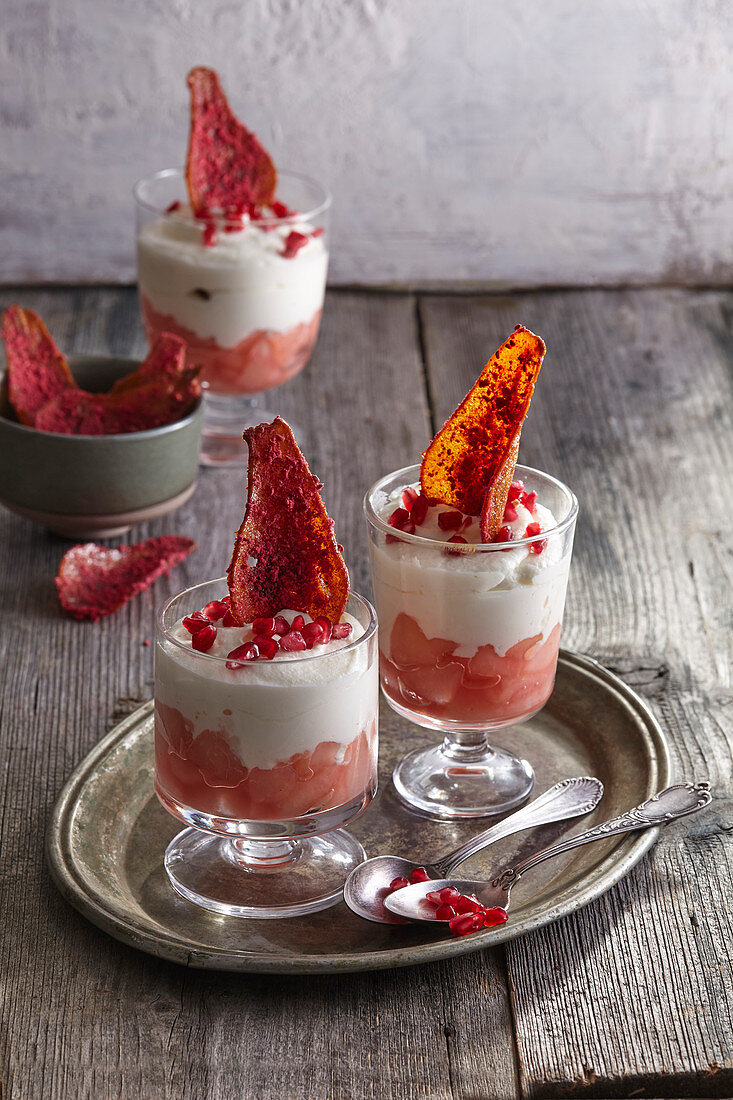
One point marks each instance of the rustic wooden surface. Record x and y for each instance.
(629, 997)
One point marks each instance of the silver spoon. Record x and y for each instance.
(368, 884)
(669, 804)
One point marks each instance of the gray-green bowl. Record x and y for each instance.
(87, 486)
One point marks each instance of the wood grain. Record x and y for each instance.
(633, 995)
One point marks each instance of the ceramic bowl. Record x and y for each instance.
(86, 486)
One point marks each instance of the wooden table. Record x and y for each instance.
(629, 997)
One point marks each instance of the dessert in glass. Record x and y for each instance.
(232, 256)
(266, 726)
(469, 624)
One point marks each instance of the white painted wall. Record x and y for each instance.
(506, 142)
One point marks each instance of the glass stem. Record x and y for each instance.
(265, 855)
(465, 747)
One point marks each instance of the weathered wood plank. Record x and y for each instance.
(84, 1016)
(633, 995)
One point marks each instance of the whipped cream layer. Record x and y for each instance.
(489, 597)
(239, 285)
(269, 710)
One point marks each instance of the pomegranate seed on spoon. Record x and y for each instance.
(398, 883)
(420, 875)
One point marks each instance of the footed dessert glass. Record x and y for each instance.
(248, 303)
(265, 763)
(469, 637)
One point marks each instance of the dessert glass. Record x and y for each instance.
(469, 638)
(249, 314)
(265, 764)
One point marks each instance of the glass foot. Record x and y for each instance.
(250, 878)
(225, 418)
(447, 782)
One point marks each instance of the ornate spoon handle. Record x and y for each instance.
(669, 804)
(569, 798)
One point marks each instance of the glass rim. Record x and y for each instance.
(369, 631)
(469, 547)
(179, 173)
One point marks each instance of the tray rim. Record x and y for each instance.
(78, 892)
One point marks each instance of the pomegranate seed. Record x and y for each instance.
(298, 623)
(399, 518)
(194, 623)
(465, 904)
(294, 642)
(494, 915)
(317, 232)
(449, 894)
(279, 209)
(510, 512)
(327, 627)
(420, 875)
(458, 538)
(312, 634)
(409, 496)
(466, 523)
(419, 510)
(282, 626)
(268, 647)
(433, 896)
(398, 883)
(465, 923)
(263, 626)
(172, 207)
(215, 610)
(532, 529)
(229, 619)
(204, 639)
(450, 521)
(504, 534)
(515, 490)
(538, 547)
(246, 652)
(226, 601)
(341, 630)
(445, 912)
(293, 242)
(529, 500)
(209, 236)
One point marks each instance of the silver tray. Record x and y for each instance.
(107, 835)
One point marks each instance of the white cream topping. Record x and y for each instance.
(239, 285)
(269, 710)
(497, 597)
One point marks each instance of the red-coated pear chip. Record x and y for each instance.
(469, 464)
(226, 168)
(165, 360)
(37, 371)
(94, 581)
(285, 554)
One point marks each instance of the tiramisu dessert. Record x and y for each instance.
(266, 683)
(470, 558)
(223, 261)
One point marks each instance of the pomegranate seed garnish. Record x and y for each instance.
(312, 634)
(532, 530)
(327, 627)
(173, 206)
(494, 915)
(399, 518)
(515, 490)
(466, 523)
(341, 630)
(268, 647)
(246, 652)
(263, 626)
(294, 642)
(409, 496)
(465, 904)
(445, 912)
(419, 510)
(279, 209)
(398, 883)
(215, 610)
(450, 521)
(465, 923)
(298, 623)
(449, 894)
(433, 896)
(229, 619)
(529, 500)
(458, 538)
(209, 235)
(293, 243)
(204, 639)
(317, 232)
(420, 875)
(194, 623)
(510, 512)
(226, 601)
(282, 626)
(504, 534)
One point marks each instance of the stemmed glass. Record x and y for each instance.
(265, 762)
(469, 637)
(248, 303)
